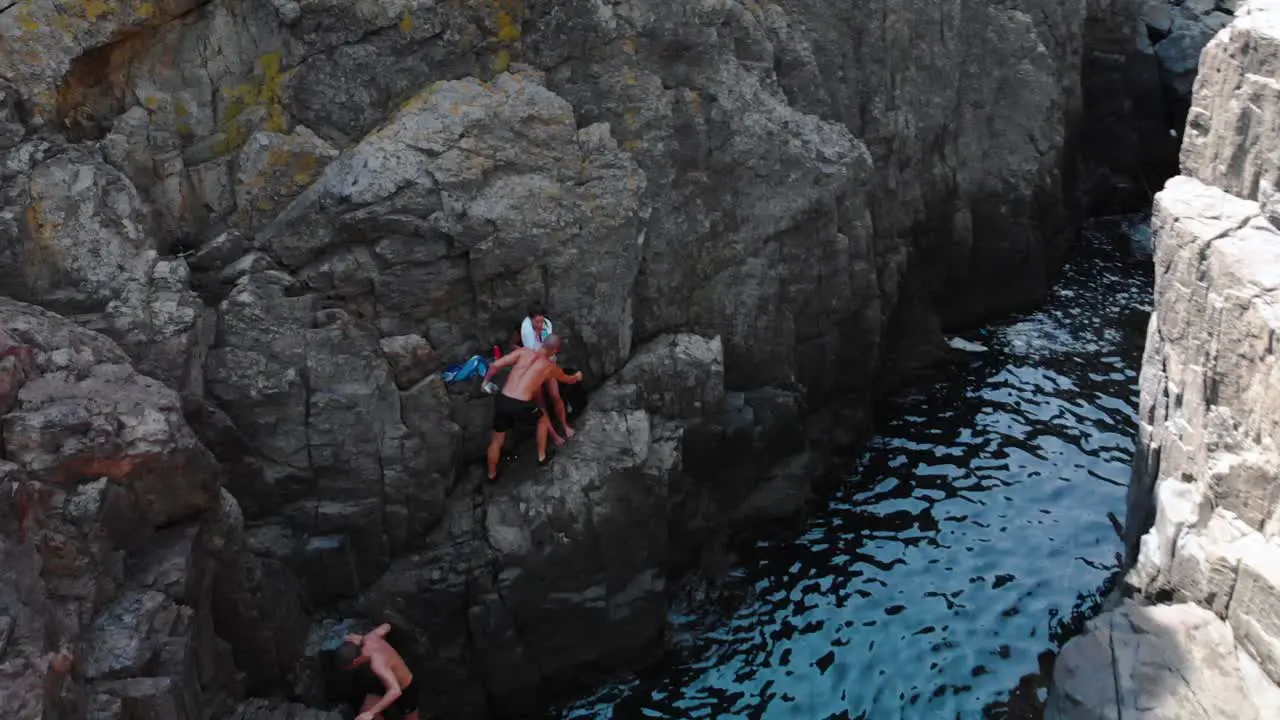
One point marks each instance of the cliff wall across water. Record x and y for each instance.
(1203, 519)
(266, 226)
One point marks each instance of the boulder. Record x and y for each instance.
(77, 235)
(469, 200)
(165, 327)
(272, 169)
(1179, 53)
(1167, 661)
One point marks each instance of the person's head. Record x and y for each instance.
(349, 656)
(537, 315)
(551, 345)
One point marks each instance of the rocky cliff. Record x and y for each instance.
(1204, 503)
(272, 223)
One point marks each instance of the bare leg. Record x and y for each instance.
(544, 428)
(541, 396)
(370, 701)
(553, 389)
(495, 453)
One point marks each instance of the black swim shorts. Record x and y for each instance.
(508, 412)
(407, 703)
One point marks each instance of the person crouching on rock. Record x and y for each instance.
(384, 666)
(515, 405)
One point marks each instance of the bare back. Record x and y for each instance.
(380, 652)
(531, 370)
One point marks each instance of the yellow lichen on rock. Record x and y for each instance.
(507, 17)
(406, 23)
(501, 60)
(266, 93)
(95, 9)
(25, 21)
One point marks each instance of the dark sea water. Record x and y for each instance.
(940, 578)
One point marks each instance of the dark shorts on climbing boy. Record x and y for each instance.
(508, 412)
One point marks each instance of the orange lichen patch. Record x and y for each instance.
(115, 468)
(406, 23)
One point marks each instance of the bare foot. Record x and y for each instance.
(569, 432)
(556, 439)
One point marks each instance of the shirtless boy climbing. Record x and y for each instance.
(387, 667)
(529, 370)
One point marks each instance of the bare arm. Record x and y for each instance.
(559, 376)
(388, 678)
(506, 361)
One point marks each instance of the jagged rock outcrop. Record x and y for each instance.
(1203, 521)
(107, 593)
(548, 572)
(1178, 30)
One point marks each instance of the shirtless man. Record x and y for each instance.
(534, 330)
(529, 370)
(387, 667)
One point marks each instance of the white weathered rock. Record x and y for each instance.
(1165, 662)
(1255, 606)
(1233, 130)
(1206, 490)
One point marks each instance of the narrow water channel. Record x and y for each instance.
(940, 578)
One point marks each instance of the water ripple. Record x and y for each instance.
(935, 582)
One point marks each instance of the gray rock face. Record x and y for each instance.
(107, 583)
(74, 230)
(786, 199)
(468, 201)
(1179, 32)
(551, 572)
(1203, 520)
